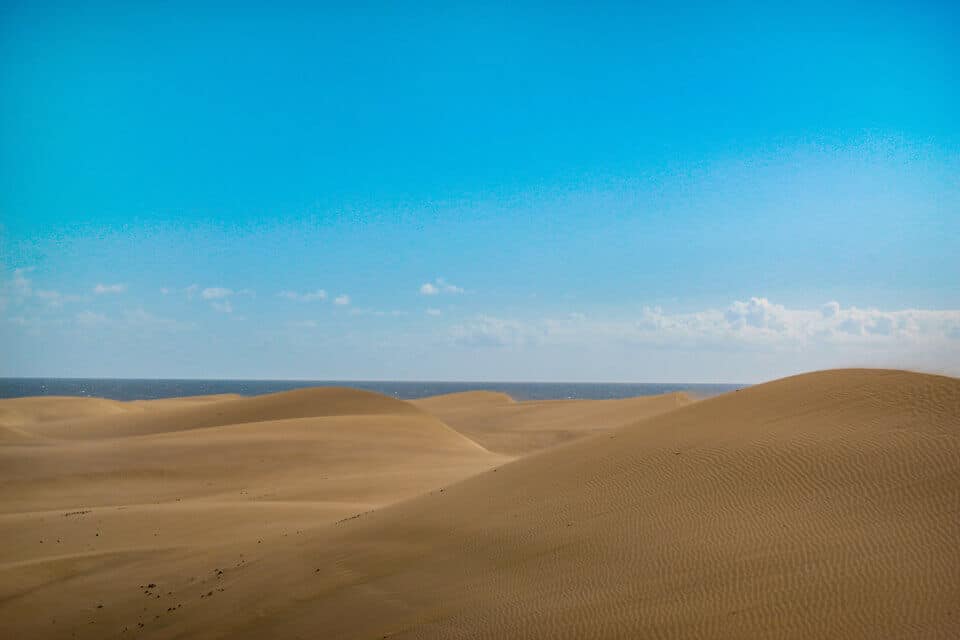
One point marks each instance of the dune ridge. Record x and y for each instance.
(196, 449)
(17, 412)
(462, 399)
(161, 416)
(501, 424)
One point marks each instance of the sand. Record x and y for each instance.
(820, 506)
(518, 428)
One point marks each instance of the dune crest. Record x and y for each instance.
(159, 416)
(518, 428)
(23, 412)
(463, 399)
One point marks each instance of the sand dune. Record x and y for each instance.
(463, 399)
(161, 416)
(16, 412)
(183, 400)
(12, 435)
(517, 428)
(288, 446)
(167, 483)
(819, 506)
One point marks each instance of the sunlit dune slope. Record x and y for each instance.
(12, 435)
(463, 400)
(287, 446)
(44, 409)
(183, 400)
(165, 488)
(161, 416)
(517, 428)
(821, 506)
(15, 412)
(92, 509)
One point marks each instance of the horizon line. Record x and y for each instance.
(376, 380)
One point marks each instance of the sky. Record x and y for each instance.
(675, 192)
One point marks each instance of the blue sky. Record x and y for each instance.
(511, 192)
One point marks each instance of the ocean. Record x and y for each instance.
(130, 389)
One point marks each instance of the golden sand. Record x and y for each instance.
(820, 506)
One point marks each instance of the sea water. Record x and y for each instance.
(130, 389)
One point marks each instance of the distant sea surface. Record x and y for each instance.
(129, 389)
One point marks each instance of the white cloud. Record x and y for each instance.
(102, 289)
(165, 291)
(438, 286)
(342, 299)
(753, 324)
(219, 297)
(758, 313)
(433, 312)
(759, 321)
(19, 290)
(311, 296)
(216, 293)
(22, 287)
(446, 287)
